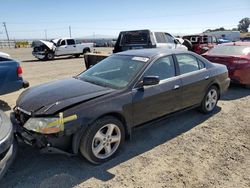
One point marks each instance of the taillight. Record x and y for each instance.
(19, 71)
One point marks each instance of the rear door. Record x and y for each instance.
(71, 45)
(194, 77)
(155, 101)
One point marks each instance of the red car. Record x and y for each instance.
(201, 43)
(236, 56)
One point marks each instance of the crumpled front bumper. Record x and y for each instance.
(45, 142)
(39, 55)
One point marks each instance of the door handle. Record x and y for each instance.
(207, 77)
(176, 87)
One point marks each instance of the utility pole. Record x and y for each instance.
(4, 24)
(69, 31)
(45, 31)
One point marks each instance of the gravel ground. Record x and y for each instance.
(186, 150)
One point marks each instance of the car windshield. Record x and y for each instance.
(230, 50)
(115, 71)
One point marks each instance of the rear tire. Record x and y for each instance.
(86, 50)
(210, 100)
(102, 140)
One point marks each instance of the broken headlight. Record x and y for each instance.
(44, 125)
(48, 125)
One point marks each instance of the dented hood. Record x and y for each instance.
(54, 96)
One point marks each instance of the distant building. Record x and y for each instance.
(6, 44)
(226, 35)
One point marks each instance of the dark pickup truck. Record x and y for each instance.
(10, 75)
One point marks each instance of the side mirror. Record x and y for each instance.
(151, 80)
(176, 41)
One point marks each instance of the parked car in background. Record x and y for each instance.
(47, 50)
(95, 111)
(139, 39)
(10, 75)
(201, 43)
(7, 144)
(236, 56)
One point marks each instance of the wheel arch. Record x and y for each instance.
(217, 86)
(121, 118)
(87, 49)
(77, 137)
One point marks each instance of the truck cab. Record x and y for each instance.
(66, 46)
(139, 39)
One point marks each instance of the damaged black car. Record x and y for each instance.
(94, 112)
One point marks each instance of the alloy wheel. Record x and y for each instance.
(106, 141)
(211, 100)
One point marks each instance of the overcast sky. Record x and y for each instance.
(32, 19)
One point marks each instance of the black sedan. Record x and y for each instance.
(95, 111)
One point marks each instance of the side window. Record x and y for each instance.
(160, 37)
(63, 43)
(163, 67)
(71, 42)
(209, 39)
(214, 40)
(187, 63)
(170, 39)
(4, 59)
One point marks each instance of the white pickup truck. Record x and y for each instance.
(47, 50)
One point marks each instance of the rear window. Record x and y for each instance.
(4, 59)
(230, 50)
(133, 38)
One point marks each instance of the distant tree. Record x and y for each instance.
(218, 29)
(244, 24)
(235, 29)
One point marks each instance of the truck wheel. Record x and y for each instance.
(50, 56)
(86, 50)
(102, 140)
(77, 55)
(210, 100)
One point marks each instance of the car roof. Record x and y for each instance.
(2, 54)
(151, 52)
(239, 43)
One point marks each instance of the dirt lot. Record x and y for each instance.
(186, 150)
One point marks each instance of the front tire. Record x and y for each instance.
(210, 100)
(102, 140)
(77, 55)
(50, 56)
